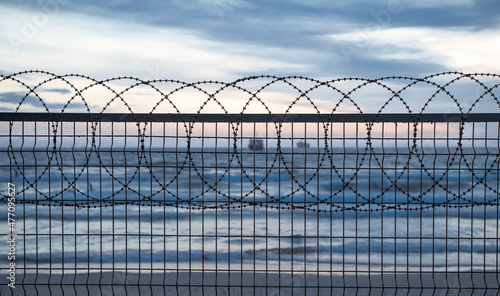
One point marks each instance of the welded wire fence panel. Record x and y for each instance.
(269, 203)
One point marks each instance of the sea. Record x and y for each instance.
(308, 209)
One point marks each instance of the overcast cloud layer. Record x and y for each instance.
(228, 39)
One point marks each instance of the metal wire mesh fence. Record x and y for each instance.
(314, 203)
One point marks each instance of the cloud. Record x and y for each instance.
(32, 103)
(222, 7)
(458, 49)
(227, 39)
(76, 43)
(58, 90)
(441, 3)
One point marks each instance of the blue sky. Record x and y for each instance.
(228, 39)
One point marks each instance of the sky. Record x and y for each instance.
(230, 39)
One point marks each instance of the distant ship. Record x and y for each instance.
(303, 144)
(256, 144)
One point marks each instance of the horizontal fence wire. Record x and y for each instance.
(334, 200)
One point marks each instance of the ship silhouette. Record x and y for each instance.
(303, 144)
(256, 144)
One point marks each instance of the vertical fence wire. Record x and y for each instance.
(239, 203)
(215, 215)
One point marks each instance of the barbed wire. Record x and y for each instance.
(331, 203)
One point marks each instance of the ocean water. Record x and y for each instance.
(306, 209)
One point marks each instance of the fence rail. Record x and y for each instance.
(255, 117)
(316, 203)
